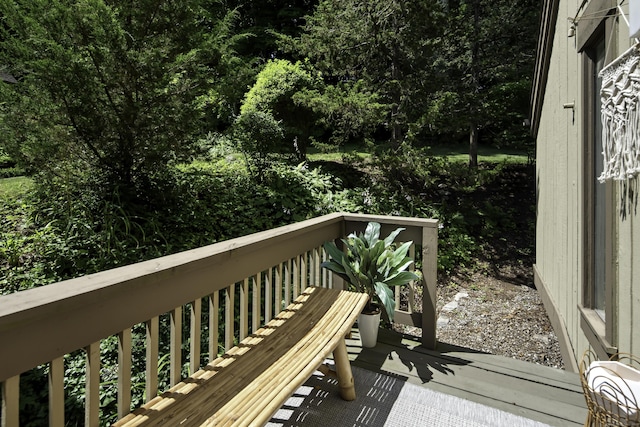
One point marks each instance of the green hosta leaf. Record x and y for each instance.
(403, 249)
(385, 295)
(377, 249)
(365, 259)
(334, 266)
(372, 233)
(399, 256)
(334, 252)
(401, 278)
(404, 264)
(352, 278)
(357, 247)
(348, 243)
(391, 237)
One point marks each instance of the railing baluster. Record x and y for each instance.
(124, 372)
(287, 283)
(214, 305)
(268, 294)
(278, 283)
(10, 402)
(326, 277)
(56, 392)
(412, 285)
(396, 294)
(304, 278)
(196, 326)
(175, 351)
(92, 388)
(296, 277)
(429, 283)
(244, 309)
(316, 266)
(229, 314)
(255, 305)
(151, 385)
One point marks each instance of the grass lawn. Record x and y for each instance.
(314, 155)
(460, 153)
(15, 187)
(455, 153)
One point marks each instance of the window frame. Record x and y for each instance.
(599, 331)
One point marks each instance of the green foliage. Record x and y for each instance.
(273, 95)
(384, 46)
(115, 88)
(371, 265)
(475, 208)
(263, 18)
(8, 166)
(346, 111)
(483, 72)
(260, 137)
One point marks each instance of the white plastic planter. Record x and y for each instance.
(368, 325)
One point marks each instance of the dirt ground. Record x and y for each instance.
(498, 315)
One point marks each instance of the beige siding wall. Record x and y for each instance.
(559, 228)
(628, 295)
(558, 166)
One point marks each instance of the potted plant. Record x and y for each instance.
(372, 266)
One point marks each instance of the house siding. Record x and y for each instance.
(560, 219)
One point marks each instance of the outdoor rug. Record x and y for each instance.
(384, 400)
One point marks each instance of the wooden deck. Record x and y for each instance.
(541, 393)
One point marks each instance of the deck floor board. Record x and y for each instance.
(541, 393)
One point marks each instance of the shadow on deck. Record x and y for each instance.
(537, 392)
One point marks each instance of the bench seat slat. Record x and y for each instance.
(250, 382)
(300, 362)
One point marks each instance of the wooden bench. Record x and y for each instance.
(250, 382)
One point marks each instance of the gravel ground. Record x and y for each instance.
(501, 315)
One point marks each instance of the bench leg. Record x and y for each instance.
(343, 371)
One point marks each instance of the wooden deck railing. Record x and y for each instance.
(244, 282)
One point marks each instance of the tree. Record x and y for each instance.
(486, 59)
(119, 89)
(274, 93)
(267, 18)
(260, 136)
(345, 111)
(383, 46)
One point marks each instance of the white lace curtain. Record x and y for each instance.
(620, 96)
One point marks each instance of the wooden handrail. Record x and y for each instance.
(44, 324)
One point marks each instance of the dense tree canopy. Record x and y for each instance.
(267, 18)
(125, 89)
(116, 87)
(383, 46)
(484, 68)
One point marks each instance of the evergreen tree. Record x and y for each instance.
(383, 46)
(274, 94)
(267, 18)
(119, 89)
(485, 64)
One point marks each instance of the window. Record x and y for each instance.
(599, 193)
(596, 308)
